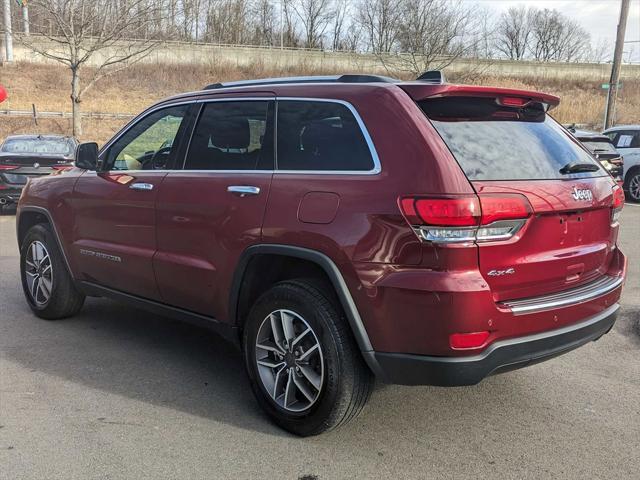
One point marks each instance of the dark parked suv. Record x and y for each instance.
(337, 229)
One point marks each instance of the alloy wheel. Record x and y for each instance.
(634, 187)
(39, 273)
(289, 360)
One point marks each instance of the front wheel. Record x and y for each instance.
(47, 284)
(305, 369)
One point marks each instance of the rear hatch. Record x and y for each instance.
(509, 148)
(17, 168)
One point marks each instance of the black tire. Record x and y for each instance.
(347, 382)
(64, 300)
(633, 193)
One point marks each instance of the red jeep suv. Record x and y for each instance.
(337, 229)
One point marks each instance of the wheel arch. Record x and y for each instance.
(29, 216)
(314, 261)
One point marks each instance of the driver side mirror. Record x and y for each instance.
(87, 156)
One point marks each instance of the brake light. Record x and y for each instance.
(463, 341)
(8, 167)
(617, 203)
(513, 101)
(466, 219)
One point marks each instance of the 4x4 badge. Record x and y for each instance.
(582, 194)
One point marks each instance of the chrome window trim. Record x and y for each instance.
(377, 167)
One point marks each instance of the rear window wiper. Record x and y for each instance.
(575, 167)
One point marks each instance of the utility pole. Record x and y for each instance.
(281, 24)
(615, 68)
(8, 35)
(25, 17)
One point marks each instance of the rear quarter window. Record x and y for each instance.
(320, 136)
(491, 142)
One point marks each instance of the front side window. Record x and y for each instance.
(148, 144)
(320, 136)
(232, 135)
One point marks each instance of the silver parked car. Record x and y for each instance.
(626, 139)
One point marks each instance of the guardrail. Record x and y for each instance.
(29, 113)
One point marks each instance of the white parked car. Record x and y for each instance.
(626, 139)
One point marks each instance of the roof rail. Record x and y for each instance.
(350, 78)
(432, 76)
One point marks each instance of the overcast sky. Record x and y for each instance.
(599, 17)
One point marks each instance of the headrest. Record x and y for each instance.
(318, 136)
(231, 133)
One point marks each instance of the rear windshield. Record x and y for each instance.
(600, 146)
(491, 142)
(37, 145)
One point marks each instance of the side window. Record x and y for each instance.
(148, 144)
(320, 136)
(235, 135)
(627, 139)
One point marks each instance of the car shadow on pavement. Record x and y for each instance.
(129, 352)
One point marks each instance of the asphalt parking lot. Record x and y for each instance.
(118, 393)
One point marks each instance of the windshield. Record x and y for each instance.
(491, 142)
(45, 146)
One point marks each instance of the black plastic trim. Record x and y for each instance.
(323, 261)
(502, 356)
(225, 330)
(46, 213)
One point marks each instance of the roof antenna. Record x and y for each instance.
(432, 76)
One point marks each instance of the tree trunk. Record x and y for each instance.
(75, 103)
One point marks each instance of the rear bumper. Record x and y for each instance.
(501, 356)
(10, 195)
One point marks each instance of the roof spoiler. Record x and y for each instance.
(506, 96)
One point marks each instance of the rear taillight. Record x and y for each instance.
(617, 204)
(8, 167)
(466, 219)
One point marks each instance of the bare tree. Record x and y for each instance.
(557, 38)
(85, 30)
(380, 19)
(513, 32)
(341, 13)
(263, 22)
(433, 34)
(315, 17)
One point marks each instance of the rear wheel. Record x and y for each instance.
(632, 185)
(47, 284)
(305, 369)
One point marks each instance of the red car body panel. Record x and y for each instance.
(182, 244)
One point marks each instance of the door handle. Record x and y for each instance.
(141, 186)
(243, 190)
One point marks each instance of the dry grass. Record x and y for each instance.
(130, 91)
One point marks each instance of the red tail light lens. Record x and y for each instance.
(454, 212)
(8, 167)
(496, 208)
(617, 203)
(466, 219)
(463, 341)
(618, 197)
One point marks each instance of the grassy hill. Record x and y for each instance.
(129, 91)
